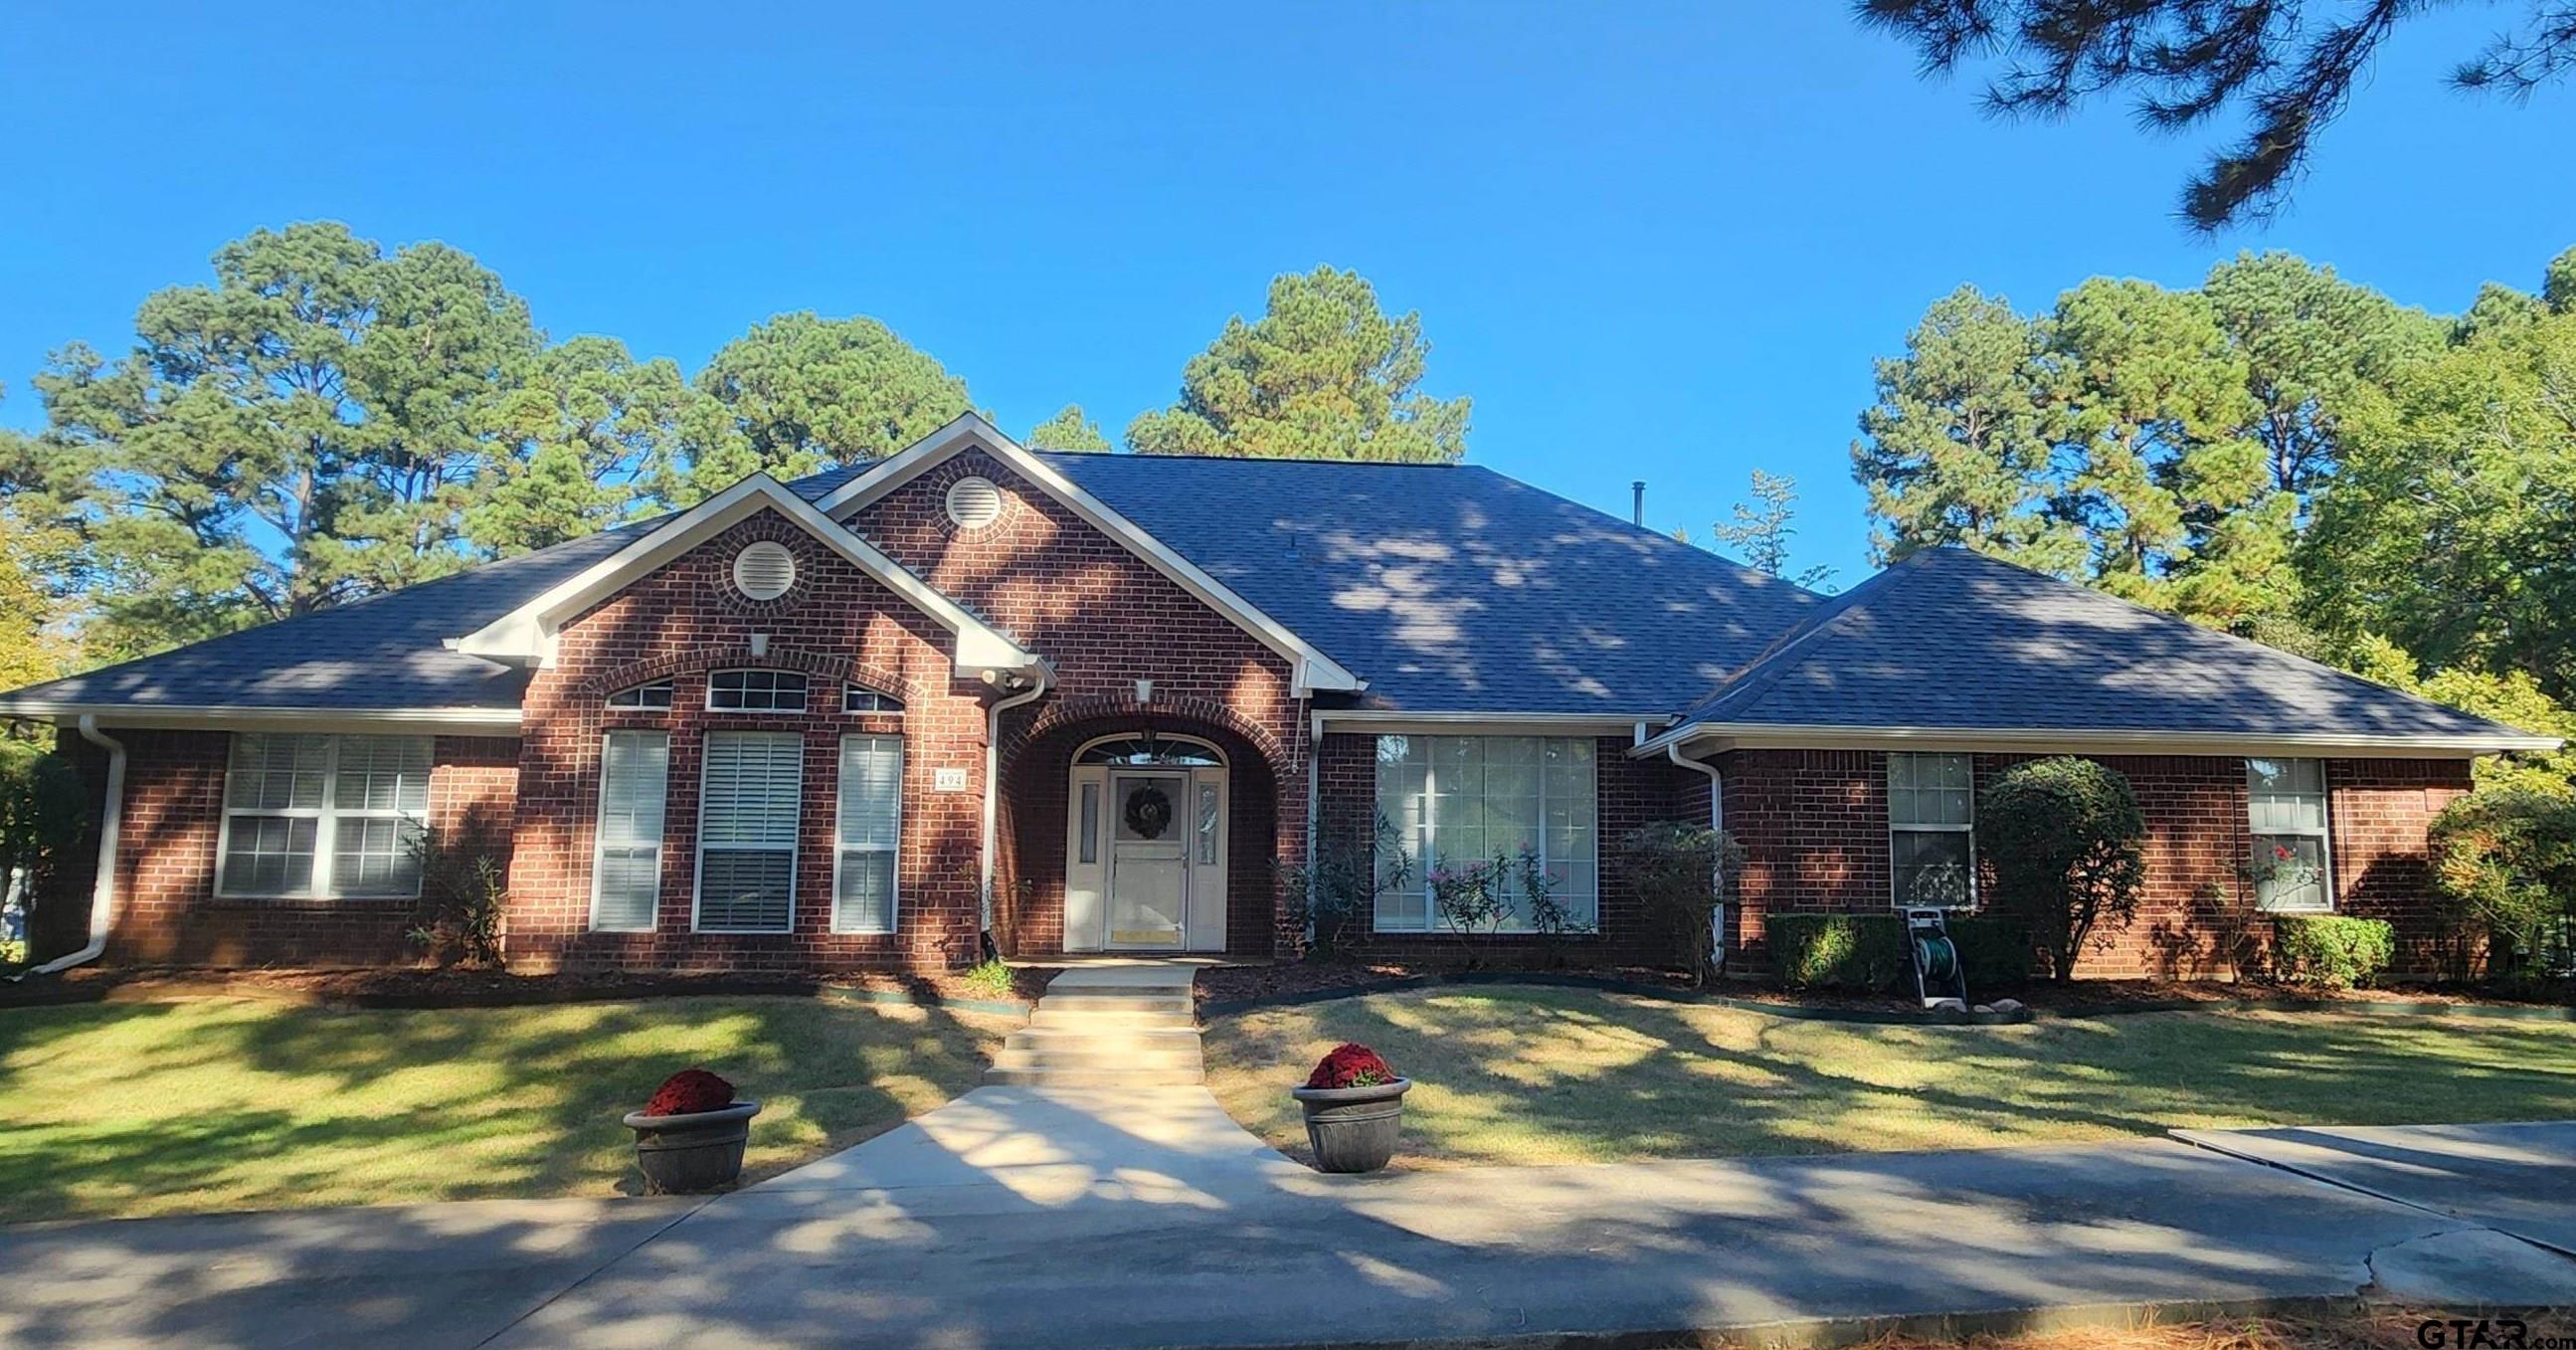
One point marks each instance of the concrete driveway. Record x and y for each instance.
(2518, 1179)
(1024, 1220)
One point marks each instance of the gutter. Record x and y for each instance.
(992, 784)
(2092, 740)
(102, 899)
(1716, 821)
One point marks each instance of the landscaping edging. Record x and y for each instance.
(531, 991)
(1896, 1017)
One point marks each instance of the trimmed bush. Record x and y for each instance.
(1994, 953)
(1837, 951)
(2066, 841)
(2505, 860)
(2330, 951)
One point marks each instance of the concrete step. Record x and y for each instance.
(1096, 1078)
(1084, 1000)
(1021, 1057)
(1057, 1019)
(1087, 1032)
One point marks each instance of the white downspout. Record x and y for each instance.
(102, 892)
(992, 788)
(1716, 821)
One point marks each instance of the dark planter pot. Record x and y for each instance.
(683, 1155)
(1353, 1129)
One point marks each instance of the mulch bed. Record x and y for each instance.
(463, 988)
(1238, 984)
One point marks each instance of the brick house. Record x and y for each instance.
(976, 697)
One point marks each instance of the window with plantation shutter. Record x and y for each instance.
(324, 816)
(747, 806)
(871, 820)
(626, 877)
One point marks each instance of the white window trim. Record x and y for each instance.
(803, 711)
(841, 850)
(599, 833)
(1420, 849)
(698, 867)
(2323, 834)
(325, 834)
(1895, 897)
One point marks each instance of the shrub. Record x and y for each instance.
(1994, 953)
(1350, 1065)
(461, 916)
(2065, 838)
(1681, 872)
(1837, 951)
(1469, 901)
(2330, 951)
(2505, 858)
(1336, 894)
(992, 979)
(688, 1092)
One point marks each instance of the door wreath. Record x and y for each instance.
(1149, 812)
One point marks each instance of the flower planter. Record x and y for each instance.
(1353, 1129)
(686, 1154)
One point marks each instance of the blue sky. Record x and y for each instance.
(1658, 242)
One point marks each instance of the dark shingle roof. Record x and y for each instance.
(1452, 587)
(374, 654)
(1951, 638)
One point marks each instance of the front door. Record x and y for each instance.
(1149, 860)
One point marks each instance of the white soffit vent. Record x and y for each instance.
(974, 503)
(764, 570)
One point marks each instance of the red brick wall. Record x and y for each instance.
(1632, 792)
(1813, 824)
(685, 620)
(167, 911)
(1104, 618)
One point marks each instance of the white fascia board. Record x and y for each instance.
(224, 716)
(1396, 722)
(1721, 736)
(1313, 670)
(527, 634)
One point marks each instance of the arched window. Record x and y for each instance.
(1147, 748)
(858, 698)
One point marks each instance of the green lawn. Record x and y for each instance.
(141, 1108)
(1535, 1075)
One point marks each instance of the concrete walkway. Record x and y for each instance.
(1026, 1219)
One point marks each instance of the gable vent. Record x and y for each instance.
(764, 570)
(974, 503)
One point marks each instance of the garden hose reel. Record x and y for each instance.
(1939, 979)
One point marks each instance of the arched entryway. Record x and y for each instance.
(1136, 833)
(1145, 850)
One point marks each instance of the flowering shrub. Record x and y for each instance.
(688, 1092)
(1351, 1065)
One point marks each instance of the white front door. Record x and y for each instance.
(1145, 858)
(1149, 860)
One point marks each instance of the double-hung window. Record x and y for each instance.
(323, 816)
(2286, 812)
(1459, 801)
(747, 812)
(626, 877)
(1931, 830)
(871, 822)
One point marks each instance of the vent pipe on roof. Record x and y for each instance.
(1637, 504)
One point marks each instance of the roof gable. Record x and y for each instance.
(1316, 670)
(1949, 640)
(526, 634)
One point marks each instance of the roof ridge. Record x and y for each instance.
(1764, 671)
(1262, 459)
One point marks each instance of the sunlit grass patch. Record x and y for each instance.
(128, 1109)
(1533, 1074)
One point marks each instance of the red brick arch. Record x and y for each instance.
(1111, 710)
(827, 666)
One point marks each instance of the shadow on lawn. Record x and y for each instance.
(1511, 1075)
(252, 1105)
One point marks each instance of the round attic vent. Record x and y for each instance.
(974, 503)
(764, 570)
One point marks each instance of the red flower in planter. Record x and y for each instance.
(1350, 1065)
(688, 1092)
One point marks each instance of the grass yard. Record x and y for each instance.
(163, 1108)
(1507, 1074)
